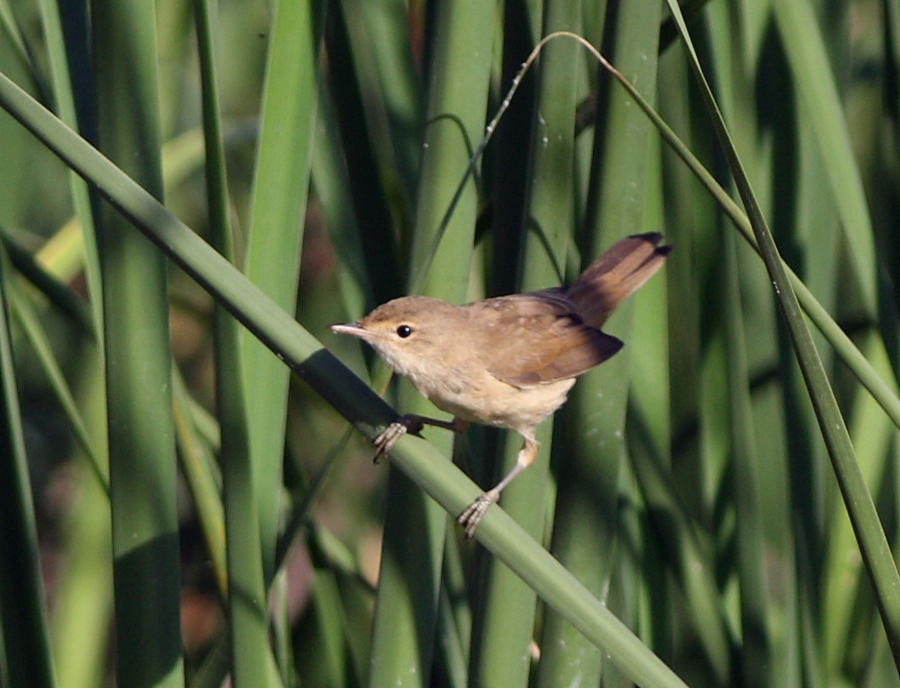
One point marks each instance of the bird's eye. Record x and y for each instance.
(404, 331)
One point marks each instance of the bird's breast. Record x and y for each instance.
(487, 401)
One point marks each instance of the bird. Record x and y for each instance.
(509, 361)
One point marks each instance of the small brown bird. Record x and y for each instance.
(509, 361)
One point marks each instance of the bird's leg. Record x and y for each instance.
(471, 517)
(412, 423)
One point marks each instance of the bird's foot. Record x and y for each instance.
(388, 437)
(471, 517)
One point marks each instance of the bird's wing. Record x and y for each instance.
(537, 338)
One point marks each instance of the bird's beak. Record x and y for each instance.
(353, 328)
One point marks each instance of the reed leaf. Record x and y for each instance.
(141, 433)
(25, 657)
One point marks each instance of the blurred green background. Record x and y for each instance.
(176, 508)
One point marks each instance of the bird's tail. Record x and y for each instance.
(615, 275)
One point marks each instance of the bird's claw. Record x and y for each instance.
(388, 437)
(471, 517)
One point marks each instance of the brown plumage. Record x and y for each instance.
(507, 361)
